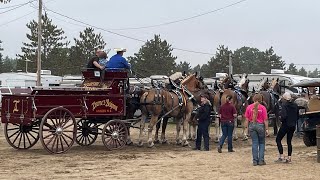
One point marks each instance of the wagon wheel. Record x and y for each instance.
(87, 132)
(58, 130)
(21, 136)
(114, 135)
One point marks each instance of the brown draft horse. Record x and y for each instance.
(264, 85)
(192, 122)
(155, 101)
(176, 78)
(239, 93)
(271, 98)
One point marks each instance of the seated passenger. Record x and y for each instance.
(103, 58)
(93, 63)
(117, 62)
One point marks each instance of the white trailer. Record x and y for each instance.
(22, 79)
(285, 80)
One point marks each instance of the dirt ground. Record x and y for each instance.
(161, 162)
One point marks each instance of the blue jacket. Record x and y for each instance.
(117, 61)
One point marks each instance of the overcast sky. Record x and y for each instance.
(291, 26)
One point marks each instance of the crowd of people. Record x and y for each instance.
(256, 122)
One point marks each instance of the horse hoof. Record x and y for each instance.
(129, 143)
(150, 145)
(245, 139)
(185, 144)
(156, 141)
(140, 144)
(164, 141)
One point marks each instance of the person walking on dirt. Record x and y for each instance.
(257, 120)
(203, 123)
(289, 116)
(228, 114)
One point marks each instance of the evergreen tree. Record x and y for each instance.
(9, 64)
(245, 60)
(292, 69)
(197, 68)
(315, 73)
(86, 46)
(218, 63)
(302, 72)
(154, 57)
(52, 39)
(275, 60)
(184, 67)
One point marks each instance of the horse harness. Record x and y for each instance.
(241, 95)
(274, 96)
(159, 99)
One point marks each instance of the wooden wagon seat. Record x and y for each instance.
(104, 79)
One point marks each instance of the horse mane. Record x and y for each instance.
(263, 80)
(187, 79)
(225, 79)
(274, 82)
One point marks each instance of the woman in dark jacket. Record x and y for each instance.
(203, 124)
(289, 116)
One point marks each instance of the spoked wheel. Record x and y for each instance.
(114, 135)
(58, 130)
(87, 132)
(21, 136)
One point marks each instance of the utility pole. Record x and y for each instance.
(39, 44)
(230, 64)
(27, 60)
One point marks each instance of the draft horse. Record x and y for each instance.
(175, 104)
(239, 94)
(271, 98)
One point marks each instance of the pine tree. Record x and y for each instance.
(183, 67)
(197, 68)
(52, 39)
(154, 57)
(302, 72)
(86, 46)
(292, 69)
(9, 64)
(218, 63)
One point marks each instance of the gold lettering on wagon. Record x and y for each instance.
(106, 103)
(15, 109)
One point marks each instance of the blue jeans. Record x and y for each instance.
(258, 136)
(227, 130)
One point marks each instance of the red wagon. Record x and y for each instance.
(59, 117)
